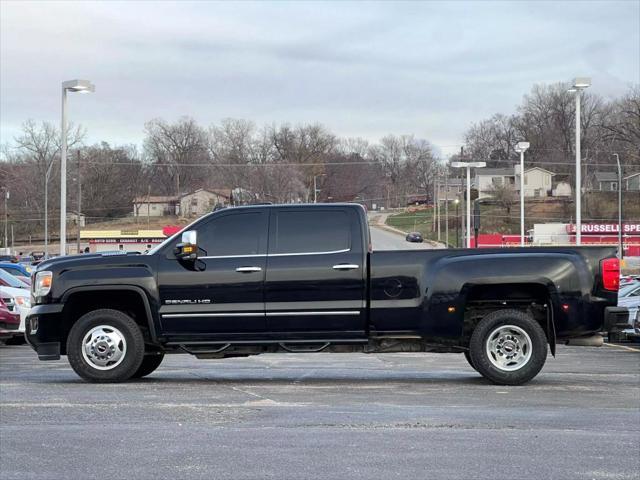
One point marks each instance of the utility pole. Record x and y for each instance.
(435, 201)
(149, 204)
(620, 245)
(6, 220)
(446, 206)
(438, 206)
(79, 217)
(468, 166)
(457, 202)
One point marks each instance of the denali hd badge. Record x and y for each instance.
(197, 301)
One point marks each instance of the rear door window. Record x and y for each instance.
(311, 231)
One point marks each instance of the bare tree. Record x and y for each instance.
(504, 195)
(176, 150)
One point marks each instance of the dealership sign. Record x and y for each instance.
(124, 240)
(605, 228)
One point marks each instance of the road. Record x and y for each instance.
(323, 416)
(382, 239)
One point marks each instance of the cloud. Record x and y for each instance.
(364, 69)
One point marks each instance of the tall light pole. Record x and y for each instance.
(446, 206)
(82, 86)
(579, 84)
(468, 166)
(457, 203)
(620, 245)
(6, 220)
(522, 147)
(315, 186)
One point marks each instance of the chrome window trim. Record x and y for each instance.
(274, 254)
(234, 256)
(344, 250)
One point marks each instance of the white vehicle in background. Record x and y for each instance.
(629, 297)
(17, 297)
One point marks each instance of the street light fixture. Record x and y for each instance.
(80, 86)
(522, 147)
(468, 166)
(579, 84)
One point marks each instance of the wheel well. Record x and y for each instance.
(532, 298)
(126, 301)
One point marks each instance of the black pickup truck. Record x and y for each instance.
(303, 278)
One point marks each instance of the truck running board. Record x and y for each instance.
(309, 349)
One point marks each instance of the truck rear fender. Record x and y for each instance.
(453, 282)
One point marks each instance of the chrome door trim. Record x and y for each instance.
(302, 314)
(228, 314)
(261, 314)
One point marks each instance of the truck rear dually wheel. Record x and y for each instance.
(508, 347)
(149, 365)
(467, 355)
(105, 346)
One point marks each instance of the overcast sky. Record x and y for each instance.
(361, 69)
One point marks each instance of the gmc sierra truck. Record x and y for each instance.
(303, 278)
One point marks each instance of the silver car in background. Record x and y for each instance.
(629, 297)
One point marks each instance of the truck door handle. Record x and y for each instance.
(346, 266)
(248, 269)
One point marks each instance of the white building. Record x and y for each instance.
(488, 178)
(155, 206)
(452, 190)
(203, 201)
(537, 182)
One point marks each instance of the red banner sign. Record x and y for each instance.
(605, 228)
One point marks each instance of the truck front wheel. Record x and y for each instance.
(105, 346)
(508, 347)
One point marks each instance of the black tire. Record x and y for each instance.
(537, 349)
(133, 341)
(467, 355)
(148, 365)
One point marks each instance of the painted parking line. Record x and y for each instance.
(623, 347)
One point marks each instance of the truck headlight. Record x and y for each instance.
(42, 285)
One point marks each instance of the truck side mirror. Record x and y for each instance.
(187, 249)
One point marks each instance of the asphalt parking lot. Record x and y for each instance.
(323, 416)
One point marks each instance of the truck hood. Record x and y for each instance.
(97, 260)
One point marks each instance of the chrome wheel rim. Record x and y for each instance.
(508, 348)
(104, 347)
